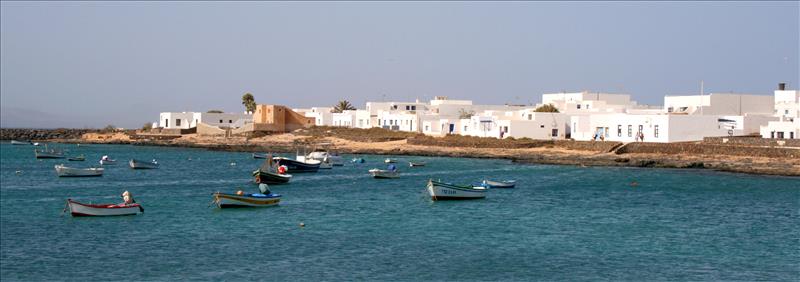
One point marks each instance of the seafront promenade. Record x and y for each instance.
(709, 154)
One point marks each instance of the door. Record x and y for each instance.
(452, 127)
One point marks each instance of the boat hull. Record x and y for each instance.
(259, 156)
(135, 164)
(224, 200)
(384, 174)
(412, 164)
(446, 191)
(64, 171)
(271, 178)
(47, 155)
(498, 184)
(108, 162)
(293, 166)
(15, 142)
(81, 209)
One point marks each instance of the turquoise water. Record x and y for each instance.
(560, 222)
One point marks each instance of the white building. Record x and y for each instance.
(517, 124)
(590, 102)
(720, 104)
(787, 112)
(186, 120)
(322, 115)
(351, 118)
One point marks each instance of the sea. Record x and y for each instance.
(559, 223)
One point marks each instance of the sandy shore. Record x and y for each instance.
(542, 155)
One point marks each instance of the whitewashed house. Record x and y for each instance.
(187, 120)
(351, 118)
(517, 124)
(787, 112)
(322, 115)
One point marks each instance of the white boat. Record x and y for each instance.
(105, 160)
(448, 191)
(137, 164)
(48, 153)
(323, 154)
(36, 144)
(498, 184)
(225, 200)
(64, 171)
(15, 142)
(384, 173)
(389, 161)
(413, 164)
(81, 209)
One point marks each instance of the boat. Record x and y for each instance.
(297, 166)
(390, 172)
(81, 209)
(105, 160)
(413, 164)
(269, 173)
(389, 161)
(357, 160)
(498, 184)
(259, 156)
(36, 144)
(48, 154)
(448, 191)
(15, 142)
(65, 171)
(137, 164)
(225, 200)
(322, 153)
(78, 158)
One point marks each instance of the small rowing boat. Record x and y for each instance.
(137, 164)
(269, 173)
(448, 191)
(15, 142)
(389, 161)
(225, 200)
(64, 171)
(79, 158)
(357, 160)
(49, 154)
(81, 209)
(382, 173)
(498, 184)
(259, 156)
(413, 164)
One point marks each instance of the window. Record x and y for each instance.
(579, 106)
(772, 135)
(530, 116)
(177, 122)
(787, 112)
(427, 128)
(408, 107)
(541, 126)
(555, 132)
(230, 121)
(379, 122)
(587, 106)
(413, 108)
(670, 109)
(780, 134)
(640, 128)
(465, 128)
(619, 130)
(630, 130)
(655, 131)
(220, 121)
(791, 135)
(574, 127)
(166, 123)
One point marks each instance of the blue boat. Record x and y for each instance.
(294, 166)
(498, 184)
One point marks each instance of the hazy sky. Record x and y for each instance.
(89, 64)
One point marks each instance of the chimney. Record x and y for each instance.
(782, 86)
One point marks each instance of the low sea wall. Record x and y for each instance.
(489, 142)
(707, 149)
(752, 141)
(42, 134)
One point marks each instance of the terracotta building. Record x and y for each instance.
(276, 118)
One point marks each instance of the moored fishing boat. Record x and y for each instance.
(448, 191)
(81, 209)
(323, 154)
(225, 200)
(389, 161)
(268, 173)
(413, 164)
(64, 171)
(15, 142)
(48, 154)
(357, 160)
(137, 164)
(297, 166)
(389, 172)
(259, 156)
(498, 184)
(78, 158)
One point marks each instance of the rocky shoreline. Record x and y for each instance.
(736, 164)
(29, 134)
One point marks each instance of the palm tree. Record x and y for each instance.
(549, 108)
(249, 102)
(342, 106)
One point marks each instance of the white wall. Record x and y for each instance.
(720, 104)
(656, 128)
(171, 120)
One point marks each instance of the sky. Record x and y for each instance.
(91, 64)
